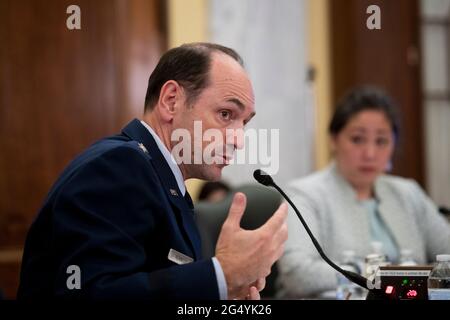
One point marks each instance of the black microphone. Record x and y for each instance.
(265, 179)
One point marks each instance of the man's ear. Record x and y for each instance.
(170, 99)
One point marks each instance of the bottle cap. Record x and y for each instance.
(443, 257)
(374, 258)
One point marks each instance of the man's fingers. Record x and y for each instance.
(253, 294)
(280, 236)
(260, 284)
(236, 210)
(277, 219)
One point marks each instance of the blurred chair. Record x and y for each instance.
(261, 204)
(445, 211)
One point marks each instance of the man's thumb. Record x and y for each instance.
(236, 210)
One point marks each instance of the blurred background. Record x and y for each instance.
(61, 89)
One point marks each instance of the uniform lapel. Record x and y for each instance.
(136, 131)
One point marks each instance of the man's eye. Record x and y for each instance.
(225, 114)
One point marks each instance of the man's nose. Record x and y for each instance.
(240, 139)
(236, 137)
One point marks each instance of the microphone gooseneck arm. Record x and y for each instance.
(352, 276)
(267, 180)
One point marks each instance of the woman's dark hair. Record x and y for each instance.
(188, 65)
(210, 187)
(362, 99)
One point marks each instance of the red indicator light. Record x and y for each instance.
(411, 294)
(389, 289)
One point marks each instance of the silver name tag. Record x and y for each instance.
(178, 257)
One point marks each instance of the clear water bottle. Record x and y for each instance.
(439, 279)
(407, 258)
(345, 288)
(373, 262)
(377, 248)
(349, 258)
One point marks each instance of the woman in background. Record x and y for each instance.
(352, 203)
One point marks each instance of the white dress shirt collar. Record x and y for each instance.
(169, 159)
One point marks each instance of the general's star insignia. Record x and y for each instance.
(142, 147)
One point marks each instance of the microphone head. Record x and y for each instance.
(263, 178)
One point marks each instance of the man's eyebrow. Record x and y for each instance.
(237, 102)
(241, 107)
(250, 117)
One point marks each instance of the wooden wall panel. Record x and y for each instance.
(60, 90)
(388, 58)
